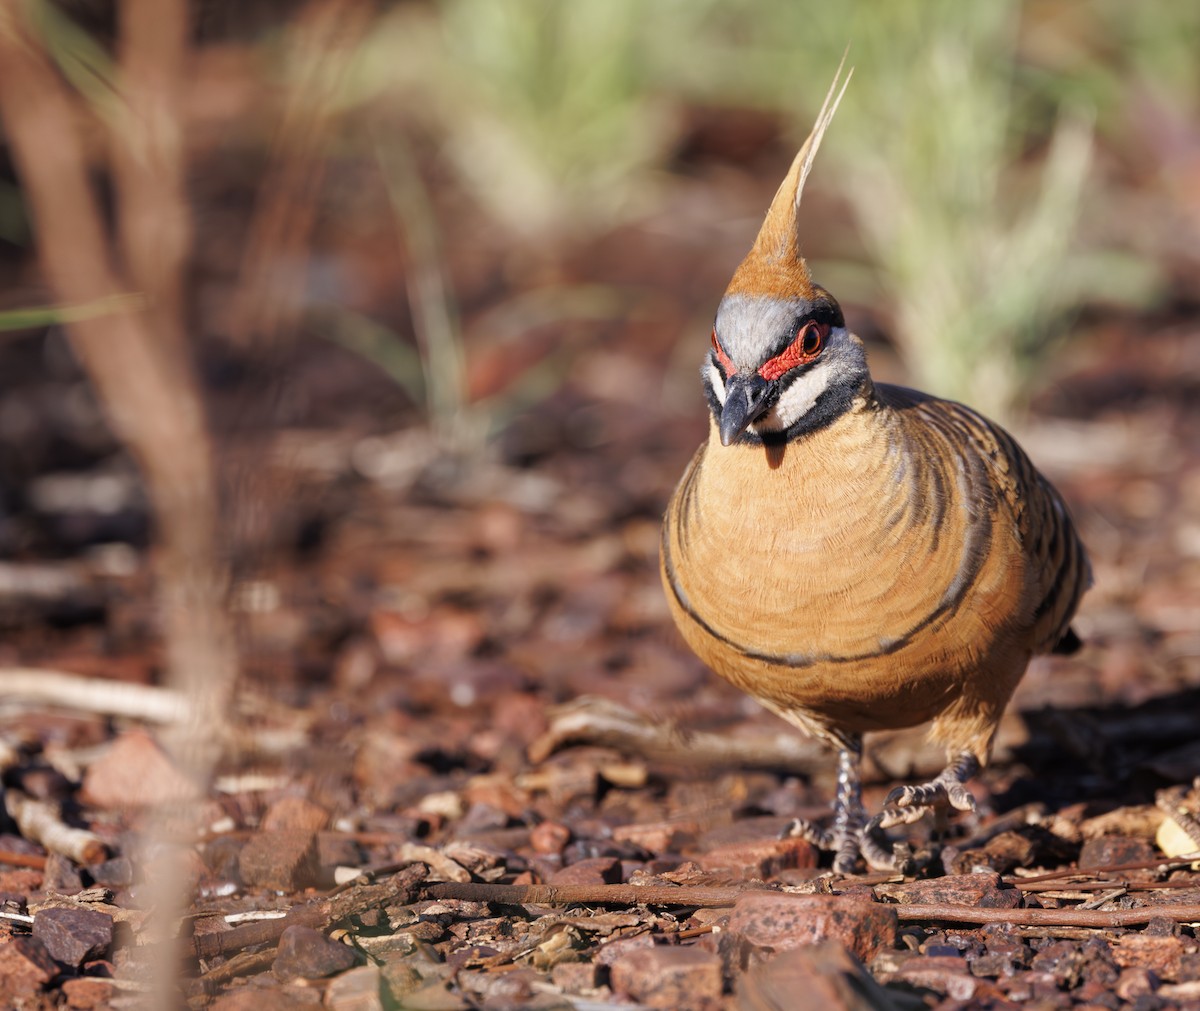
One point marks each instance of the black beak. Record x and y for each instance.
(746, 399)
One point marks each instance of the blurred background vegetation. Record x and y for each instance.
(999, 168)
(1000, 176)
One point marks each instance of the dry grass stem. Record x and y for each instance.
(319, 46)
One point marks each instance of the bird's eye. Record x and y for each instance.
(812, 338)
(723, 359)
(807, 344)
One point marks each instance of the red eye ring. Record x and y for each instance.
(723, 359)
(808, 343)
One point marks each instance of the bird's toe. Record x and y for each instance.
(893, 815)
(802, 828)
(960, 798)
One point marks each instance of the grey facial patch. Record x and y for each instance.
(750, 327)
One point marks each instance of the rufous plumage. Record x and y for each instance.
(854, 555)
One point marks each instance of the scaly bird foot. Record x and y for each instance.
(848, 843)
(908, 804)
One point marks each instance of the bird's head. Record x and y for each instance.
(782, 360)
(781, 365)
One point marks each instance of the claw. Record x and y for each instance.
(908, 804)
(853, 835)
(892, 815)
(939, 793)
(804, 829)
(866, 841)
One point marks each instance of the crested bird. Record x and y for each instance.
(858, 556)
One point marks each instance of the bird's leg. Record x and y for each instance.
(851, 833)
(849, 816)
(907, 804)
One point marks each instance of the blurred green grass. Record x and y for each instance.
(997, 167)
(965, 149)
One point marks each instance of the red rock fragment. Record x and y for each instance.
(822, 975)
(943, 974)
(356, 990)
(575, 977)
(780, 920)
(114, 873)
(985, 890)
(1064, 960)
(593, 871)
(88, 992)
(336, 849)
(295, 813)
(670, 977)
(285, 861)
(549, 837)
(262, 998)
(135, 772)
(61, 876)
(1032, 985)
(73, 935)
(619, 947)
(1001, 853)
(20, 881)
(1134, 982)
(763, 858)
(1114, 851)
(1163, 955)
(25, 967)
(305, 953)
(657, 836)
(1091, 995)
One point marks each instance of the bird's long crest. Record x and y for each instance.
(774, 265)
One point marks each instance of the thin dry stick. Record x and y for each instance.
(136, 360)
(148, 393)
(659, 895)
(147, 153)
(1094, 918)
(321, 44)
(41, 822)
(1172, 864)
(92, 695)
(38, 863)
(600, 895)
(1110, 883)
(600, 721)
(399, 889)
(433, 314)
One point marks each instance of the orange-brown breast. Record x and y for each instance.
(875, 574)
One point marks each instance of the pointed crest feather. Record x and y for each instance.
(774, 264)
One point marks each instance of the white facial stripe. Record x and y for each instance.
(716, 379)
(800, 396)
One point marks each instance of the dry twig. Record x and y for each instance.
(1095, 918)
(599, 895)
(41, 822)
(660, 895)
(321, 44)
(92, 695)
(32, 860)
(144, 382)
(591, 720)
(320, 914)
